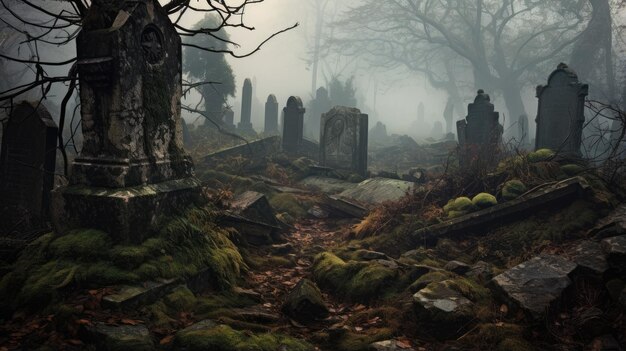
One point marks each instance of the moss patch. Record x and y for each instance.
(484, 200)
(541, 155)
(513, 189)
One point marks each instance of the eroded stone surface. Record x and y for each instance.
(132, 295)
(537, 283)
(445, 309)
(589, 255)
(379, 190)
(121, 337)
(305, 303)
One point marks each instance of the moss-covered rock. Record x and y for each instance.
(459, 207)
(207, 335)
(354, 280)
(81, 244)
(541, 155)
(305, 303)
(513, 189)
(571, 169)
(288, 203)
(484, 200)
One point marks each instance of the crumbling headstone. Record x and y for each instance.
(293, 125)
(132, 167)
(245, 125)
(27, 160)
(560, 113)
(271, 115)
(343, 140)
(479, 133)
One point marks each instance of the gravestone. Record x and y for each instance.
(271, 115)
(448, 115)
(293, 125)
(319, 105)
(480, 133)
(245, 125)
(28, 158)
(378, 133)
(560, 113)
(132, 168)
(343, 139)
(229, 118)
(522, 129)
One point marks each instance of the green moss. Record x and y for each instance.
(455, 214)
(484, 200)
(289, 203)
(430, 277)
(102, 273)
(213, 306)
(513, 189)
(463, 204)
(458, 207)
(361, 342)
(500, 337)
(180, 299)
(81, 244)
(166, 311)
(360, 281)
(541, 155)
(224, 338)
(128, 257)
(571, 169)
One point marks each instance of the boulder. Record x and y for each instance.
(480, 271)
(443, 309)
(457, 267)
(535, 284)
(305, 303)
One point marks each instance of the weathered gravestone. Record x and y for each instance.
(378, 133)
(133, 167)
(271, 115)
(479, 133)
(229, 118)
(27, 160)
(293, 125)
(560, 113)
(246, 107)
(343, 139)
(319, 105)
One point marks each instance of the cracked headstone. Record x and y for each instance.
(343, 140)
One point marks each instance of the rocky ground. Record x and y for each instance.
(531, 257)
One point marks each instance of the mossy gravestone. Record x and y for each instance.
(480, 133)
(132, 168)
(27, 160)
(343, 140)
(560, 113)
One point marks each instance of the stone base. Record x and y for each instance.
(129, 215)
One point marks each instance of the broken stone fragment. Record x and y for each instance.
(590, 257)
(281, 249)
(305, 302)
(615, 249)
(481, 271)
(443, 309)
(457, 267)
(318, 212)
(389, 345)
(535, 284)
(367, 255)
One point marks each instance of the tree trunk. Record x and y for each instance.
(512, 95)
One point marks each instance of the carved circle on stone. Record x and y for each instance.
(152, 44)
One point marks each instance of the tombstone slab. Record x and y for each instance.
(245, 125)
(133, 167)
(293, 125)
(480, 133)
(27, 160)
(560, 112)
(319, 105)
(344, 140)
(271, 115)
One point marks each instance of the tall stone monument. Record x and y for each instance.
(245, 125)
(27, 159)
(271, 115)
(133, 167)
(480, 133)
(560, 113)
(293, 125)
(343, 139)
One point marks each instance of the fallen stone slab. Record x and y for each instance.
(535, 285)
(257, 148)
(254, 206)
(345, 207)
(552, 195)
(457, 267)
(129, 296)
(330, 186)
(253, 232)
(119, 337)
(289, 190)
(375, 191)
(590, 258)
